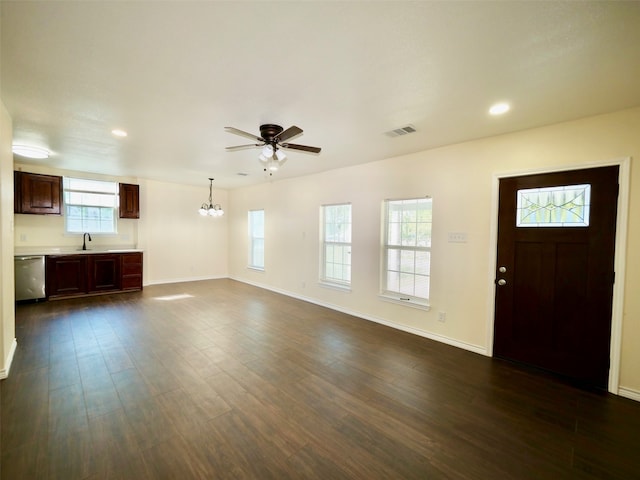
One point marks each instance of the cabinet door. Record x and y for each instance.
(104, 272)
(38, 194)
(66, 275)
(129, 200)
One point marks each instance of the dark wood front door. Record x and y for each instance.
(554, 284)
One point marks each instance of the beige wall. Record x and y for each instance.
(461, 179)
(180, 244)
(7, 297)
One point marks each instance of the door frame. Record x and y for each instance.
(620, 255)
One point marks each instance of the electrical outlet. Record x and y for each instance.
(442, 317)
(23, 237)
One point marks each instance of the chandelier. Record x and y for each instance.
(211, 209)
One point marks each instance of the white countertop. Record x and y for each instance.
(26, 251)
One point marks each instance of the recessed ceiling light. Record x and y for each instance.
(119, 133)
(30, 152)
(499, 108)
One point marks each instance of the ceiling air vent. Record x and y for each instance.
(401, 131)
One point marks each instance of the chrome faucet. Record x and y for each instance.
(84, 240)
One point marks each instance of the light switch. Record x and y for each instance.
(457, 237)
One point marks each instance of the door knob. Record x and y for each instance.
(502, 269)
(502, 281)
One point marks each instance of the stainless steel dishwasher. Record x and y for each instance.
(29, 275)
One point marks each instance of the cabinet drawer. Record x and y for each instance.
(132, 258)
(131, 269)
(132, 282)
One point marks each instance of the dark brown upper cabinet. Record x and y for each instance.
(37, 194)
(129, 200)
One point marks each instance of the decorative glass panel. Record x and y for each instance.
(565, 206)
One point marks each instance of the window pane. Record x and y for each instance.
(393, 259)
(393, 281)
(421, 286)
(336, 243)
(90, 205)
(564, 206)
(74, 225)
(407, 246)
(407, 261)
(406, 284)
(423, 263)
(423, 236)
(256, 238)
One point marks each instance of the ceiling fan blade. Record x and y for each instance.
(244, 134)
(241, 147)
(304, 148)
(288, 133)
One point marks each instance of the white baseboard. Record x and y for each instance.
(629, 393)
(4, 373)
(416, 331)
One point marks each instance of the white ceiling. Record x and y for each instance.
(174, 74)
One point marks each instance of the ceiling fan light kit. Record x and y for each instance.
(272, 140)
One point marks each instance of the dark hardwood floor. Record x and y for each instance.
(219, 379)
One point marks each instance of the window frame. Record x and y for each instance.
(394, 295)
(252, 238)
(111, 192)
(324, 243)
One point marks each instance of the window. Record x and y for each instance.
(90, 205)
(406, 250)
(256, 239)
(565, 206)
(335, 255)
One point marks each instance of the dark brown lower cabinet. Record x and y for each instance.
(91, 274)
(104, 272)
(66, 275)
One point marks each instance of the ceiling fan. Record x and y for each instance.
(272, 138)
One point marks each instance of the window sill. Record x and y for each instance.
(335, 286)
(256, 269)
(407, 303)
